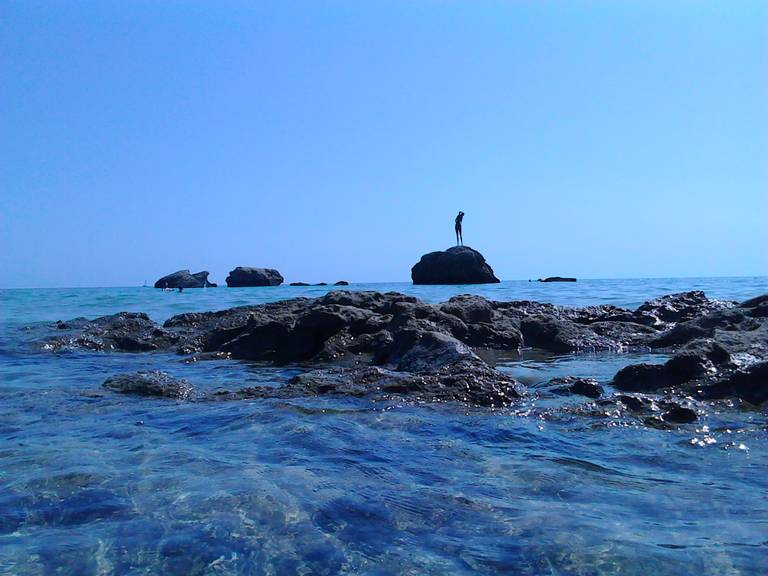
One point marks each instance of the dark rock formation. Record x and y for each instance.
(682, 307)
(184, 279)
(388, 343)
(341, 283)
(572, 385)
(298, 284)
(125, 331)
(559, 335)
(457, 265)
(679, 415)
(154, 383)
(721, 353)
(557, 279)
(243, 276)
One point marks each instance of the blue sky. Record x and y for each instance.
(338, 139)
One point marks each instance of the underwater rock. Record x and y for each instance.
(154, 383)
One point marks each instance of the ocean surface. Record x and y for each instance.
(93, 482)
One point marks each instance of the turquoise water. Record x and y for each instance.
(95, 483)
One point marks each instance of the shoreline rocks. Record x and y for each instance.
(384, 344)
(244, 276)
(457, 265)
(185, 279)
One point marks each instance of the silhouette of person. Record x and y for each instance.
(459, 237)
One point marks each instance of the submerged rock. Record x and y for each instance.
(244, 276)
(155, 383)
(457, 265)
(185, 279)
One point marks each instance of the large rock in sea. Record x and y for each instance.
(457, 265)
(245, 276)
(185, 279)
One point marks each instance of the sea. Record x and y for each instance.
(94, 482)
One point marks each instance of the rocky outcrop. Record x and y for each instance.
(125, 332)
(185, 279)
(457, 265)
(384, 344)
(721, 353)
(243, 276)
(557, 279)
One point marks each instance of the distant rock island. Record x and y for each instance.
(243, 276)
(339, 283)
(557, 279)
(457, 265)
(185, 279)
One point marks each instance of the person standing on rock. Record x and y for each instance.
(459, 237)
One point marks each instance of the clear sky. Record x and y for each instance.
(337, 139)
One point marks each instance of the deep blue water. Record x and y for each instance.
(96, 483)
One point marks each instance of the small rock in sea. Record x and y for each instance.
(679, 415)
(557, 279)
(572, 385)
(185, 279)
(298, 284)
(244, 276)
(341, 283)
(154, 383)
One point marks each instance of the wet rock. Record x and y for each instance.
(558, 335)
(636, 403)
(298, 284)
(642, 378)
(243, 276)
(185, 279)
(679, 415)
(125, 332)
(573, 385)
(683, 306)
(557, 279)
(468, 382)
(749, 384)
(155, 383)
(697, 360)
(341, 283)
(457, 265)
(424, 352)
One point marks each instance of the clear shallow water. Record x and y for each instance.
(95, 483)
